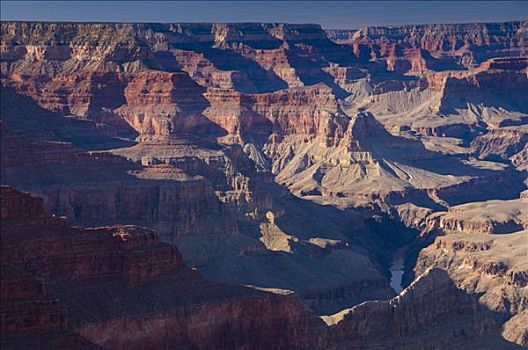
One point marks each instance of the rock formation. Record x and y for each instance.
(120, 287)
(490, 217)
(359, 143)
(399, 324)
(438, 46)
(491, 266)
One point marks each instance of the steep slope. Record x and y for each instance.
(437, 46)
(83, 285)
(431, 306)
(71, 288)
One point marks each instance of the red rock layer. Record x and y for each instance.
(99, 283)
(100, 188)
(436, 46)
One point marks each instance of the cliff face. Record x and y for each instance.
(66, 287)
(440, 46)
(429, 304)
(482, 246)
(492, 266)
(86, 281)
(490, 217)
(111, 259)
(104, 71)
(99, 188)
(163, 103)
(502, 143)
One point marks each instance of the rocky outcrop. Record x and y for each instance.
(491, 88)
(443, 46)
(490, 217)
(502, 143)
(112, 258)
(491, 266)
(520, 159)
(359, 161)
(88, 282)
(426, 305)
(515, 330)
(413, 216)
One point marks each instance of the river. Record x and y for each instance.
(396, 270)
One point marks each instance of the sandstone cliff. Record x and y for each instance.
(120, 287)
(439, 46)
(427, 305)
(70, 287)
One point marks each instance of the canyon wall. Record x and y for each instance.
(276, 156)
(70, 287)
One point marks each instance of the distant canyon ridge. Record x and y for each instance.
(253, 185)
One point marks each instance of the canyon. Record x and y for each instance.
(258, 185)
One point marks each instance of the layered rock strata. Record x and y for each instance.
(199, 131)
(71, 287)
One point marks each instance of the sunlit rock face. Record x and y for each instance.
(436, 46)
(288, 164)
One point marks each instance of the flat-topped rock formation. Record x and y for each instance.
(440, 46)
(490, 217)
